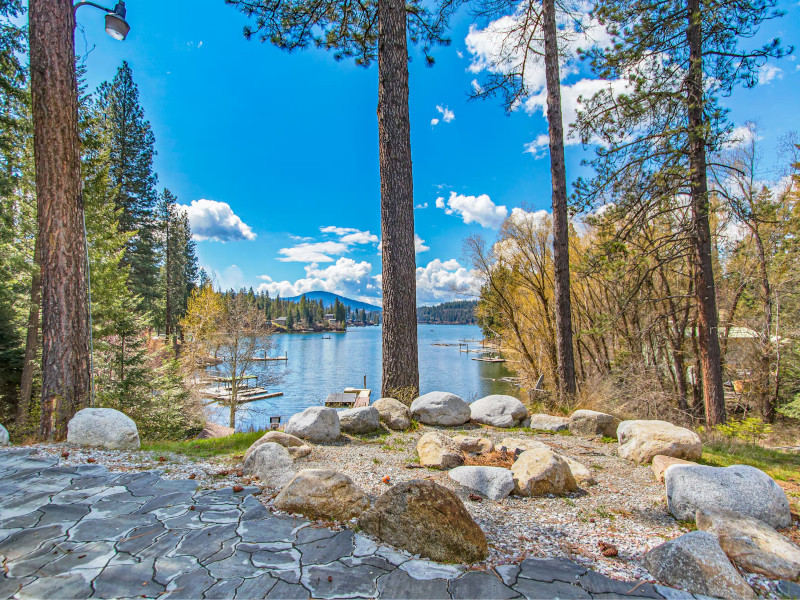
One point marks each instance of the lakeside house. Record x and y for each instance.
(281, 321)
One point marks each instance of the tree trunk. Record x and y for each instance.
(558, 172)
(767, 404)
(65, 328)
(31, 341)
(400, 359)
(708, 319)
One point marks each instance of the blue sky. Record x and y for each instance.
(289, 143)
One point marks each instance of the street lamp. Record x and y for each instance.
(116, 25)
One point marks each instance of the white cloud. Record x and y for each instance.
(741, 136)
(536, 218)
(538, 147)
(768, 73)
(478, 209)
(316, 252)
(459, 54)
(422, 206)
(438, 281)
(497, 48)
(346, 277)
(570, 102)
(216, 222)
(443, 281)
(266, 278)
(446, 114)
(359, 237)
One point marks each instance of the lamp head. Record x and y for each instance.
(116, 25)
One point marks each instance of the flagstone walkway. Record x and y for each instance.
(81, 532)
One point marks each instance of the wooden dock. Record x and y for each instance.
(490, 359)
(350, 398)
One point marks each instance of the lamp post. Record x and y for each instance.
(57, 156)
(116, 25)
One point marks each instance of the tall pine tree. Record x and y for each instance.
(678, 59)
(131, 147)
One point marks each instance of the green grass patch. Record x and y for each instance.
(237, 443)
(608, 440)
(779, 465)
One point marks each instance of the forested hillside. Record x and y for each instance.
(461, 312)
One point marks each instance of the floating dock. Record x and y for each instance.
(490, 359)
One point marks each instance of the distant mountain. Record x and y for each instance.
(328, 299)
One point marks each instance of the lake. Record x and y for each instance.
(317, 367)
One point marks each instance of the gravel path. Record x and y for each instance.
(83, 531)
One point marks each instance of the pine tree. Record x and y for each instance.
(532, 36)
(368, 32)
(656, 137)
(131, 149)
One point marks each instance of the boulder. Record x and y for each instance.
(493, 482)
(323, 494)
(473, 445)
(440, 408)
(297, 448)
(364, 419)
(513, 444)
(661, 463)
(271, 463)
(741, 489)
(538, 472)
(438, 450)
(316, 424)
(696, 563)
(423, 517)
(393, 413)
(640, 441)
(3, 436)
(591, 423)
(752, 544)
(580, 472)
(498, 411)
(103, 428)
(547, 423)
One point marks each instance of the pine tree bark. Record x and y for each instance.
(31, 341)
(65, 328)
(400, 358)
(563, 304)
(705, 290)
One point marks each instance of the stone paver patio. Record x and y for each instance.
(81, 532)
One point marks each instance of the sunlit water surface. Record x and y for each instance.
(317, 367)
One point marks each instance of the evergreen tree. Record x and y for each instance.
(656, 137)
(17, 211)
(131, 147)
(367, 32)
(533, 36)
